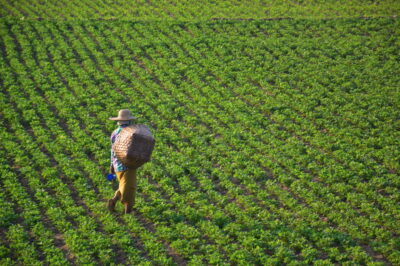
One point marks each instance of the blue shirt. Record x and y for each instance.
(118, 166)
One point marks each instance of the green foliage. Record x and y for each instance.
(277, 141)
(142, 10)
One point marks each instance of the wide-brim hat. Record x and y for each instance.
(123, 115)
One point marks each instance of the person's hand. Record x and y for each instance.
(112, 169)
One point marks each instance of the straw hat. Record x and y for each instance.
(123, 115)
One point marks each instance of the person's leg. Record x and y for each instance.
(132, 185)
(117, 195)
(128, 191)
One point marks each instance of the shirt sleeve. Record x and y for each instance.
(111, 160)
(112, 139)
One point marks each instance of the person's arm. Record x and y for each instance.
(112, 170)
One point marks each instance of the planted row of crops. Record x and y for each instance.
(277, 141)
(145, 10)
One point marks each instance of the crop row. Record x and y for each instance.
(189, 11)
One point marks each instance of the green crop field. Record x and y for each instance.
(277, 127)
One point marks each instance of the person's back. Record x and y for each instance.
(133, 145)
(117, 165)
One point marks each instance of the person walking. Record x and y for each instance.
(126, 191)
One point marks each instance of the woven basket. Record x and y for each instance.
(134, 145)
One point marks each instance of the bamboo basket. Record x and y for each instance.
(134, 145)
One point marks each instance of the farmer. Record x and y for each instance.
(126, 176)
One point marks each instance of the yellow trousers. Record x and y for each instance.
(126, 191)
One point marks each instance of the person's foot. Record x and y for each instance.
(111, 205)
(127, 208)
